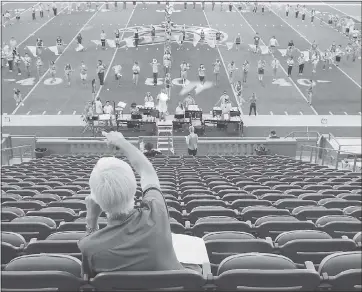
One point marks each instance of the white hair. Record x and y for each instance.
(113, 186)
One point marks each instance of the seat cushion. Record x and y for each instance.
(36, 219)
(287, 236)
(46, 262)
(67, 235)
(334, 218)
(256, 261)
(339, 262)
(13, 238)
(228, 235)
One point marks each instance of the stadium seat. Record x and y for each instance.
(185, 280)
(30, 226)
(357, 239)
(25, 205)
(273, 225)
(313, 213)
(42, 272)
(310, 245)
(205, 211)
(218, 223)
(10, 197)
(338, 203)
(252, 213)
(337, 226)
(10, 213)
(68, 247)
(58, 214)
(341, 271)
(222, 244)
(354, 211)
(266, 272)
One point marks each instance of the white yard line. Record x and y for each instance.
(39, 28)
(285, 72)
(226, 71)
(20, 14)
(302, 36)
(46, 72)
(358, 8)
(116, 50)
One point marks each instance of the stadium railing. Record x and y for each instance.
(18, 154)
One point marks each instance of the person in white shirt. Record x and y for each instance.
(180, 110)
(83, 73)
(103, 40)
(155, 65)
(301, 61)
(304, 11)
(223, 99)
(188, 101)
(201, 71)
(217, 66)
(13, 43)
(287, 8)
(108, 109)
(162, 104)
(275, 65)
(225, 110)
(272, 44)
(136, 72)
(118, 73)
(98, 106)
(184, 67)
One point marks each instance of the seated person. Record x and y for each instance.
(135, 114)
(135, 239)
(261, 150)
(108, 108)
(273, 135)
(180, 110)
(148, 97)
(188, 101)
(149, 151)
(226, 108)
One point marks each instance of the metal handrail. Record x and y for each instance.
(293, 134)
(319, 153)
(11, 156)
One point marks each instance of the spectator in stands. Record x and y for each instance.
(149, 151)
(134, 239)
(188, 101)
(191, 141)
(180, 110)
(261, 150)
(273, 135)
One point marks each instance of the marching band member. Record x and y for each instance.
(52, 71)
(272, 44)
(297, 8)
(180, 110)
(188, 101)
(94, 88)
(237, 42)
(202, 36)
(168, 84)
(39, 46)
(348, 51)
(18, 97)
(59, 45)
(246, 67)
(315, 60)
(83, 73)
(223, 99)
(153, 33)
(155, 65)
(68, 71)
(103, 39)
(261, 69)
(287, 8)
(27, 62)
(256, 42)
(275, 65)
(290, 63)
(136, 38)
(301, 62)
(326, 57)
(101, 68)
(304, 11)
(217, 66)
(118, 73)
(10, 59)
(17, 61)
(136, 72)
(39, 66)
(148, 97)
(239, 89)
(184, 67)
(338, 55)
(79, 40)
(117, 37)
(13, 44)
(231, 69)
(312, 15)
(166, 63)
(201, 71)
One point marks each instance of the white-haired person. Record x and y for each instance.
(135, 239)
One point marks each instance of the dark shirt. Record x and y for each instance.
(151, 153)
(141, 241)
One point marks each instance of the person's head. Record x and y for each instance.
(273, 133)
(133, 105)
(217, 61)
(113, 186)
(148, 93)
(99, 62)
(98, 98)
(257, 33)
(189, 95)
(180, 104)
(253, 95)
(224, 92)
(239, 82)
(302, 55)
(93, 81)
(232, 62)
(107, 102)
(102, 31)
(191, 129)
(136, 63)
(148, 146)
(26, 55)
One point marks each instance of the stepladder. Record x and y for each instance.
(165, 137)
